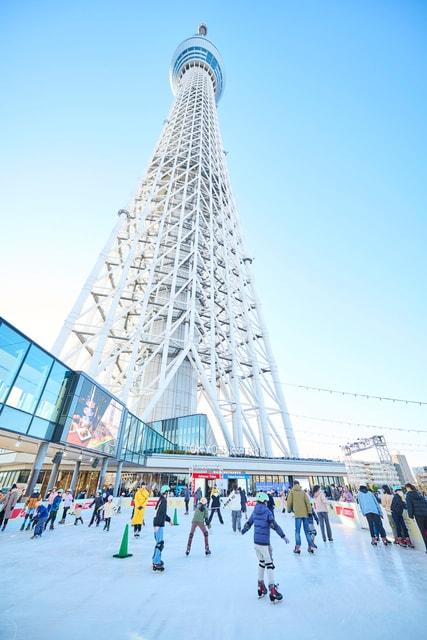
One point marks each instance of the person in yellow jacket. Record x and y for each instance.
(140, 499)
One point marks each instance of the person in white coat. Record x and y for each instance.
(109, 509)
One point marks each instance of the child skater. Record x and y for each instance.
(30, 510)
(40, 518)
(78, 514)
(159, 524)
(200, 519)
(263, 520)
(109, 509)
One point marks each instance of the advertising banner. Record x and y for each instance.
(96, 420)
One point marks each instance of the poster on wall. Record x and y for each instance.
(95, 421)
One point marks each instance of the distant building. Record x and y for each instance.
(421, 477)
(402, 467)
(377, 473)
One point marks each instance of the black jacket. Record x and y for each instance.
(397, 505)
(416, 504)
(97, 502)
(243, 499)
(271, 504)
(215, 502)
(161, 516)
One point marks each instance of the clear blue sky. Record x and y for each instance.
(324, 119)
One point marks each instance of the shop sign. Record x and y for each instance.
(206, 475)
(236, 475)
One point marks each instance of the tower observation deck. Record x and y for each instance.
(168, 319)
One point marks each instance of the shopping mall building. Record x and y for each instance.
(58, 426)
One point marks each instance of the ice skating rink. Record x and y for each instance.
(67, 586)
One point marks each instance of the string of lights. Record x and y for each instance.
(365, 396)
(360, 424)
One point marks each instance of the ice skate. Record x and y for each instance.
(311, 550)
(275, 596)
(374, 541)
(408, 543)
(386, 541)
(158, 567)
(208, 552)
(297, 549)
(262, 589)
(187, 553)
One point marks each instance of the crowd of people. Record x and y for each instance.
(309, 507)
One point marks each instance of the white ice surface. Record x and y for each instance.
(67, 585)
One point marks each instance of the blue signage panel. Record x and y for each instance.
(236, 475)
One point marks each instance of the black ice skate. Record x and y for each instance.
(158, 567)
(208, 552)
(262, 589)
(275, 596)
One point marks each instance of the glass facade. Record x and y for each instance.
(32, 385)
(140, 439)
(185, 431)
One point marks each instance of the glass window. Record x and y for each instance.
(13, 348)
(41, 429)
(28, 385)
(53, 394)
(14, 420)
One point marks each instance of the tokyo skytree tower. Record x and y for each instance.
(168, 319)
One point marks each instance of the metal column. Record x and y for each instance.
(37, 465)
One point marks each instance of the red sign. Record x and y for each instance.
(207, 475)
(348, 511)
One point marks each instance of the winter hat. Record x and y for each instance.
(165, 489)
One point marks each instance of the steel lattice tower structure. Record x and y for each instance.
(168, 319)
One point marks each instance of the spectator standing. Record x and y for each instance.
(417, 509)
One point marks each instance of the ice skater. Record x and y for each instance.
(263, 521)
(40, 518)
(321, 506)
(215, 506)
(97, 504)
(371, 509)
(109, 509)
(299, 503)
(140, 500)
(159, 520)
(30, 510)
(78, 514)
(200, 520)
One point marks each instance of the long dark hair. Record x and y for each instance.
(411, 486)
(387, 489)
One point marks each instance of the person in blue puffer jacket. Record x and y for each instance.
(371, 509)
(263, 521)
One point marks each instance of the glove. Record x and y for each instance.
(286, 539)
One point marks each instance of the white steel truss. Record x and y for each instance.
(168, 319)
